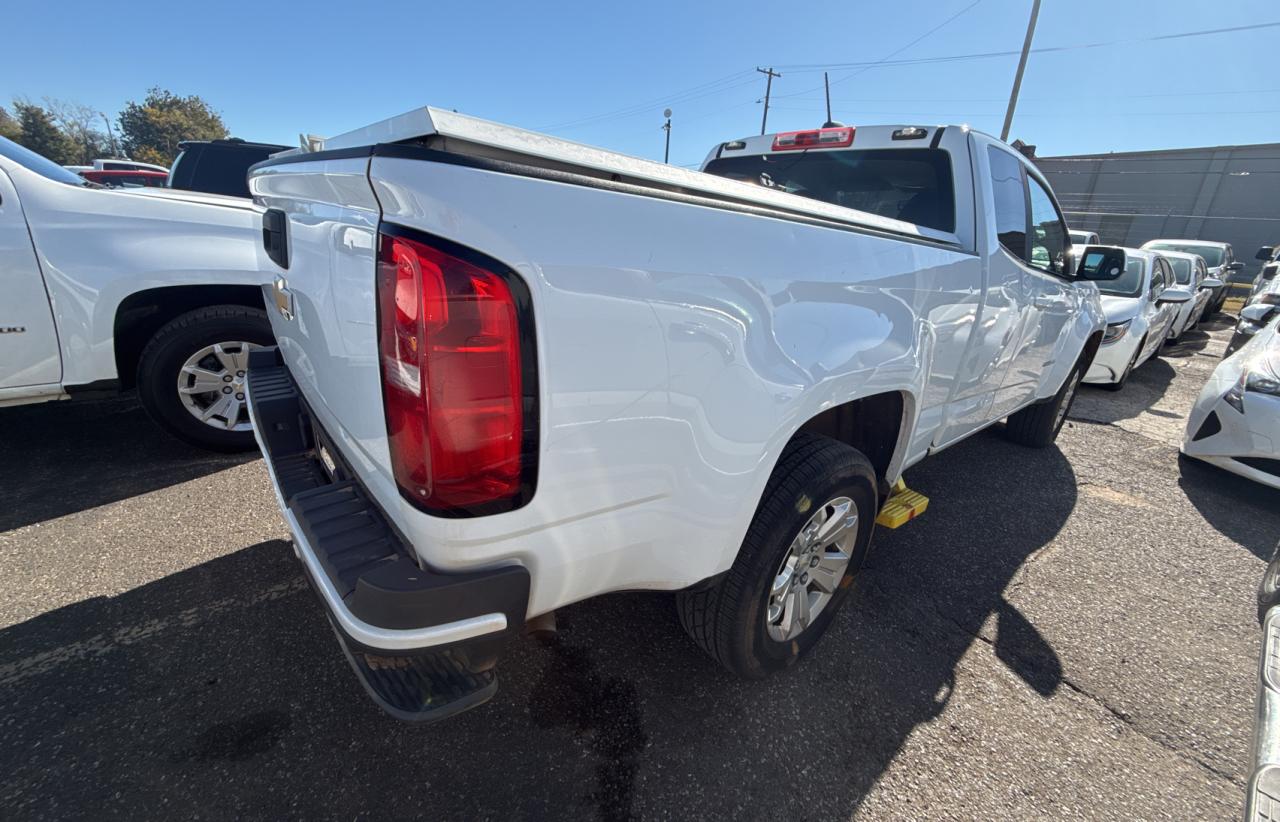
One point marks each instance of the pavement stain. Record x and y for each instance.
(572, 692)
(240, 739)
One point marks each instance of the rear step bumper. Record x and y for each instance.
(422, 643)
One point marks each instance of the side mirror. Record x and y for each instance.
(1174, 295)
(1234, 267)
(1256, 313)
(1211, 282)
(1265, 252)
(1101, 263)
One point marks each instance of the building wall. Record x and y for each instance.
(1228, 194)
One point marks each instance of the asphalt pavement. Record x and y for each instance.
(1066, 633)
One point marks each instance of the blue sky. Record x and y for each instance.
(601, 72)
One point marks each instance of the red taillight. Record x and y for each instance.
(814, 138)
(452, 377)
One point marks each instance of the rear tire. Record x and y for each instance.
(742, 621)
(1037, 426)
(173, 347)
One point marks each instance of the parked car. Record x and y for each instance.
(126, 179)
(109, 289)
(1270, 258)
(515, 372)
(1235, 422)
(1218, 256)
(120, 164)
(1261, 309)
(1079, 237)
(1264, 780)
(1141, 306)
(218, 166)
(1191, 275)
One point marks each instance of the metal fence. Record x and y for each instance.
(1228, 194)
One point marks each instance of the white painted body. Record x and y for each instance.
(1190, 312)
(680, 345)
(70, 253)
(1251, 433)
(1149, 321)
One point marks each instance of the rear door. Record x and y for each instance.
(28, 341)
(1028, 264)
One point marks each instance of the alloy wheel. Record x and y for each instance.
(812, 569)
(211, 385)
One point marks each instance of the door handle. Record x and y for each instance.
(1045, 301)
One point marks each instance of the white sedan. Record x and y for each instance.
(1192, 276)
(1141, 306)
(1235, 423)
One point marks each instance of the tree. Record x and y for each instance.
(9, 126)
(152, 129)
(79, 123)
(41, 135)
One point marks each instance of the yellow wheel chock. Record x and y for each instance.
(902, 506)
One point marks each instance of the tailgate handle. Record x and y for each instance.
(274, 236)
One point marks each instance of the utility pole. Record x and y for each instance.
(666, 152)
(768, 86)
(111, 134)
(1022, 65)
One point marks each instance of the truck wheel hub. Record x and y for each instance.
(211, 385)
(812, 569)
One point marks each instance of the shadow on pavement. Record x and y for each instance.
(1240, 509)
(78, 455)
(219, 691)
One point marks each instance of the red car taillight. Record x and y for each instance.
(452, 377)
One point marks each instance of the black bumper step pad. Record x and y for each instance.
(373, 570)
(421, 688)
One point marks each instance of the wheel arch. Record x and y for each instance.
(141, 314)
(877, 425)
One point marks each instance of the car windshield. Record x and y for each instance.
(1129, 284)
(43, 166)
(1212, 254)
(913, 185)
(1181, 269)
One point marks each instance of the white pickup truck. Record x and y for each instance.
(515, 372)
(108, 289)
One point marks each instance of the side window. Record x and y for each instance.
(1048, 234)
(1158, 278)
(1010, 195)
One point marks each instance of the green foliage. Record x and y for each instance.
(152, 129)
(9, 126)
(42, 135)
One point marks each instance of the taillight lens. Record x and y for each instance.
(453, 383)
(814, 138)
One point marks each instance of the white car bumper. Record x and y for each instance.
(1245, 443)
(1112, 359)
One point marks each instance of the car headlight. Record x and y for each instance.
(1115, 331)
(1263, 383)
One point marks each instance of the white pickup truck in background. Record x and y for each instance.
(515, 372)
(109, 289)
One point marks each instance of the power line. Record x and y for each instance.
(806, 68)
(730, 81)
(891, 54)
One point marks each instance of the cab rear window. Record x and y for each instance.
(909, 184)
